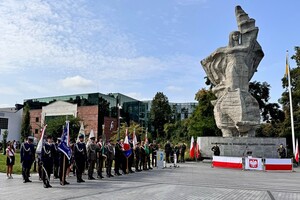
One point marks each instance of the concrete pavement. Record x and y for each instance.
(189, 181)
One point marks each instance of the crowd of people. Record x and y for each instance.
(93, 156)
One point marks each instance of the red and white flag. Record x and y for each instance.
(126, 144)
(40, 144)
(297, 152)
(134, 139)
(192, 148)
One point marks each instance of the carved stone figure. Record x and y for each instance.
(230, 69)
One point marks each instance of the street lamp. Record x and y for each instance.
(119, 117)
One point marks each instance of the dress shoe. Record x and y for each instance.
(29, 181)
(81, 180)
(45, 186)
(91, 178)
(111, 175)
(67, 183)
(50, 186)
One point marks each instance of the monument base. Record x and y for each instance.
(241, 146)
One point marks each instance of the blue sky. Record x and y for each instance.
(135, 47)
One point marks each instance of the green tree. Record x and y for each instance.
(25, 127)
(55, 126)
(160, 114)
(202, 121)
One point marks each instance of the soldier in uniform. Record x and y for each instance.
(47, 161)
(56, 158)
(92, 151)
(118, 157)
(182, 152)
(143, 156)
(100, 159)
(109, 152)
(137, 153)
(154, 153)
(80, 156)
(216, 150)
(130, 158)
(27, 155)
(168, 150)
(281, 151)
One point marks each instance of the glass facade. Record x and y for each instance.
(132, 109)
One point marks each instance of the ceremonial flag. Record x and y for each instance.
(127, 150)
(81, 131)
(192, 148)
(297, 152)
(64, 145)
(134, 139)
(40, 144)
(287, 68)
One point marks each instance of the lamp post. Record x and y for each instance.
(119, 117)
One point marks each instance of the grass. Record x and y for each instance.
(17, 167)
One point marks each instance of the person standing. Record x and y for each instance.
(119, 157)
(80, 156)
(100, 158)
(216, 150)
(154, 153)
(92, 151)
(56, 158)
(137, 153)
(109, 152)
(10, 159)
(182, 152)
(177, 151)
(47, 161)
(27, 157)
(168, 150)
(281, 151)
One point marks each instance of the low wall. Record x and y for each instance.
(239, 146)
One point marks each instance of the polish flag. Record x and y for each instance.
(126, 144)
(192, 148)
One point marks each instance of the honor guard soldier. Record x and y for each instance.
(47, 161)
(182, 152)
(56, 158)
(93, 148)
(101, 158)
(137, 153)
(118, 157)
(80, 156)
(109, 152)
(154, 153)
(27, 157)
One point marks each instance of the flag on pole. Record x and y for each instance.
(126, 146)
(192, 148)
(134, 139)
(297, 152)
(41, 142)
(287, 68)
(81, 131)
(64, 145)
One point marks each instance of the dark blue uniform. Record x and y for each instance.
(27, 158)
(80, 157)
(47, 162)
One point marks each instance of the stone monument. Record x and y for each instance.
(236, 111)
(230, 69)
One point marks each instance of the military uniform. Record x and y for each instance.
(109, 152)
(168, 150)
(80, 156)
(47, 163)
(137, 153)
(119, 158)
(154, 154)
(100, 160)
(92, 159)
(55, 160)
(182, 152)
(27, 158)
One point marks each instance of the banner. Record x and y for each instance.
(278, 164)
(253, 163)
(160, 159)
(228, 162)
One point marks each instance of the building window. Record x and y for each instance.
(36, 131)
(36, 119)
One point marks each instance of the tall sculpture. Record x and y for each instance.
(230, 69)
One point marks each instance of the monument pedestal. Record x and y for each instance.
(241, 146)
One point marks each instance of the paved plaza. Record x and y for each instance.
(189, 181)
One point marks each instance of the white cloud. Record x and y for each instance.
(75, 82)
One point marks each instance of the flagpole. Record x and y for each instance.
(291, 101)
